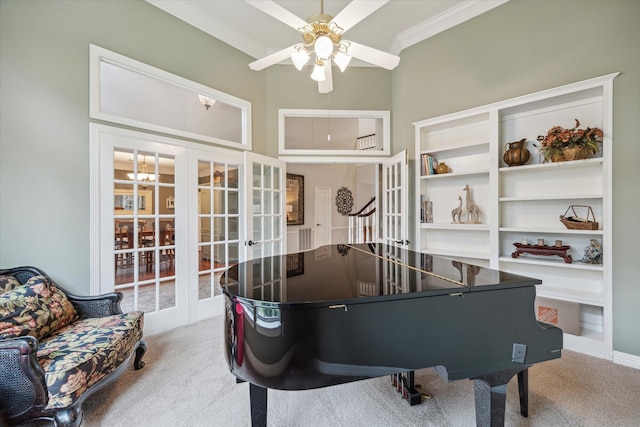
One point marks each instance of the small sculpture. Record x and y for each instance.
(473, 211)
(457, 212)
(592, 253)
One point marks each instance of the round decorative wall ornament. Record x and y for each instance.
(344, 201)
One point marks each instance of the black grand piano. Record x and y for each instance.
(344, 313)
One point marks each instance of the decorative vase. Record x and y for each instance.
(517, 154)
(442, 168)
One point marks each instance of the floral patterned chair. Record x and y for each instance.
(56, 348)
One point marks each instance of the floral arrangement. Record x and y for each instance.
(558, 140)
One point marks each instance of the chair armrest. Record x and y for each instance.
(23, 389)
(97, 305)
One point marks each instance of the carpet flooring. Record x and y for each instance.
(186, 383)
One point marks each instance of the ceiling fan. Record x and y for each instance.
(322, 40)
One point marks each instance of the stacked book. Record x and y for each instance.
(426, 210)
(429, 165)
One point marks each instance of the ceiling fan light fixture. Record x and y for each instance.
(300, 57)
(342, 60)
(318, 72)
(323, 47)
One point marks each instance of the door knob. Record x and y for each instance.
(251, 243)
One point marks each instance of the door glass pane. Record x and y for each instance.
(276, 178)
(257, 175)
(219, 229)
(276, 228)
(205, 290)
(219, 175)
(204, 173)
(277, 202)
(233, 202)
(233, 228)
(219, 202)
(234, 251)
(166, 164)
(267, 202)
(232, 176)
(205, 230)
(268, 228)
(267, 176)
(257, 205)
(257, 229)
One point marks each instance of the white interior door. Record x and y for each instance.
(141, 224)
(265, 214)
(216, 182)
(394, 201)
(323, 216)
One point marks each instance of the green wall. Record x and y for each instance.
(525, 46)
(44, 114)
(518, 48)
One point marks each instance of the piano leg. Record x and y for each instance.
(491, 395)
(258, 397)
(523, 391)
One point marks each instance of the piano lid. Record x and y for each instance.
(359, 273)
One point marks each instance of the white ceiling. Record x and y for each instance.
(392, 28)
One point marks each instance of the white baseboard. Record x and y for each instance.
(626, 359)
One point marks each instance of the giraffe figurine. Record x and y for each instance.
(457, 212)
(473, 211)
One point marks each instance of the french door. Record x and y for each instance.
(265, 226)
(170, 217)
(216, 185)
(394, 223)
(394, 201)
(140, 215)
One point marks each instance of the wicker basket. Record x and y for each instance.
(570, 153)
(575, 222)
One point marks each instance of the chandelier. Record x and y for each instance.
(322, 38)
(143, 174)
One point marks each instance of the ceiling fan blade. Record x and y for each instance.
(326, 85)
(373, 56)
(278, 12)
(356, 11)
(272, 59)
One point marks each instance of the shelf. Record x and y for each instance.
(449, 226)
(480, 146)
(551, 262)
(542, 230)
(526, 202)
(542, 198)
(455, 174)
(580, 297)
(556, 165)
(456, 253)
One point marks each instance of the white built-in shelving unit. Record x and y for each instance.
(525, 202)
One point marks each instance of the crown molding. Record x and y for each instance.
(448, 19)
(189, 12)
